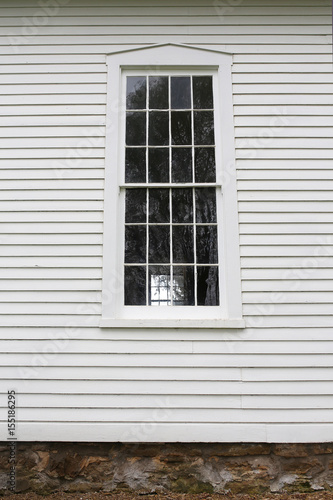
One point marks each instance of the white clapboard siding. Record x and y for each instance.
(271, 381)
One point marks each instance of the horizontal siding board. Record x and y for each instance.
(65, 131)
(314, 131)
(133, 401)
(285, 228)
(58, 261)
(174, 415)
(54, 355)
(165, 27)
(267, 79)
(310, 251)
(58, 120)
(287, 298)
(101, 45)
(290, 206)
(285, 174)
(37, 371)
(35, 251)
(70, 109)
(101, 346)
(293, 284)
(163, 432)
(303, 334)
(263, 109)
(278, 122)
(38, 99)
(135, 432)
(124, 373)
(312, 261)
(160, 387)
(47, 205)
(277, 374)
(51, 217)
(55, 284)
(287, 402)
(51, 227)
(53, 297)
(22, 71)
(177, 15)
(44, 81)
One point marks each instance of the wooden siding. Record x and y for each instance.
(269, 382)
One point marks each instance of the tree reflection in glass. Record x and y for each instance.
(171, 236)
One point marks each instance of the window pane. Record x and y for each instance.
(182, 205)
(135, 205)
(135, 165)
(159, 286)
(206, 244)
(159, 209)
(182, 244)
(159, 244)
(181, 128)
(135, 285)
(207, 286)
(181, 92)
(202, 92)
(203, 127)
(136, 128)
(136, 92)
(135, 244)
(158, 92)
(181, 165)
(158, 166)
(158, 128)
(183, 286)
(205, 203)
(204, 159)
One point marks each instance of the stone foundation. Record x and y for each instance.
(190, 468)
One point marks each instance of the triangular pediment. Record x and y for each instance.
(156, 48)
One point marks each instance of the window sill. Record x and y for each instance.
(172, 323)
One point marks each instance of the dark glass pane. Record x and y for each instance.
(135, 244)
(182, 205)
(159, 286)
(159, 244)
(207, 245)
(136, 128)
(205, 203)
(180, 92)
(181, 128)
(183, 286)
(136, 92)
(135, 286)
(158, 128)
(204, 159)
(135, 205)
(159, 210)
(202, 92)
(182, 244)
(182, 165)
(158, 92)
(208, 286)
(158, 165)
(135, 165)
(203, 127)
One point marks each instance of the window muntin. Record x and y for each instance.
(171, 234)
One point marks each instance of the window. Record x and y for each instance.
(171, 255)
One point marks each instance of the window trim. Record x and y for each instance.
(229, 313)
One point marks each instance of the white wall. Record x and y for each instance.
(271, 382)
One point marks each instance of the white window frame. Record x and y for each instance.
(158, 60)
